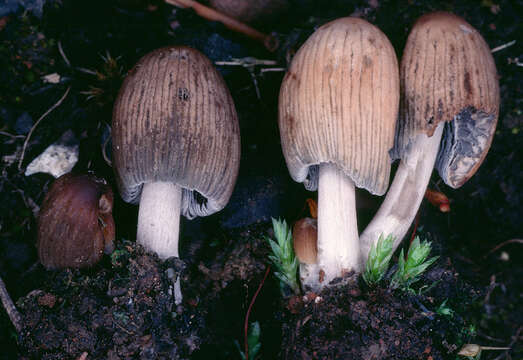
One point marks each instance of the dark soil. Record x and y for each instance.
(125, 308)
(355, 322)
(122, 308)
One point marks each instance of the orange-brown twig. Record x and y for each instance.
(269, 41)
(246, 322)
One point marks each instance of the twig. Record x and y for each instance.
(5, 133)
(86, 71)
(63, 54)
(10, 308)
(497, 247)
(38, 122)
(246, 323)
(273, 70)
(515, 339)
(504, 46)
(490, 337)
(269, 41)
(248, 63)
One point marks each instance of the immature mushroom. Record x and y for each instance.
(176, 143)
(337, 113)
(75, 224)
(304, 236)
(450, 88)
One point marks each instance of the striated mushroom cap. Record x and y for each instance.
(448, 73)
(75, 224)
(174, 121)
(339, 103)
(250, 10)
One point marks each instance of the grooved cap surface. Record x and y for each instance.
(174, 121)
(339, 103)
(447, 73)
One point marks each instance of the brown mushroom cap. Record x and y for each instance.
(75, 224)
(339, 104)
(174, 121)
(305, 240)
(250, 10)
(448, 73)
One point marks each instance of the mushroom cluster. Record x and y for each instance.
(75, 223)
(337, 116)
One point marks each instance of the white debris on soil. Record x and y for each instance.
(58, 159)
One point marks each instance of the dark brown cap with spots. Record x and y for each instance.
(174, 121)
(339, 104)
(448, 73)
(75, 224)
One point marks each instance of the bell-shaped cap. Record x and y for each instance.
(174, 121)
(448, 75)
(339, 103)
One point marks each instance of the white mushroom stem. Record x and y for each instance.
(405, 194)
(338, 245)
(159, 222)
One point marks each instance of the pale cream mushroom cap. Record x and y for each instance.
(339, 103)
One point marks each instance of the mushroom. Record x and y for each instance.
(449, 89)
(75, 224)
(304, 236)
(337, 113)
(176, 143)
(249, 10)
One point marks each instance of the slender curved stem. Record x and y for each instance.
(405, 194)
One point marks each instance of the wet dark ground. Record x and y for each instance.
(225, 253)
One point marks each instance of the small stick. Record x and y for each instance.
(497, 247)
(5, 133)
(269, 41)
(246, 323)
(63, 54)
(36, 124)
(10, 308)
(504, 46)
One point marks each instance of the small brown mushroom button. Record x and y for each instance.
(337, 114)
(75, 224)
(305, 237)
(449, 90)
(176, 143)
